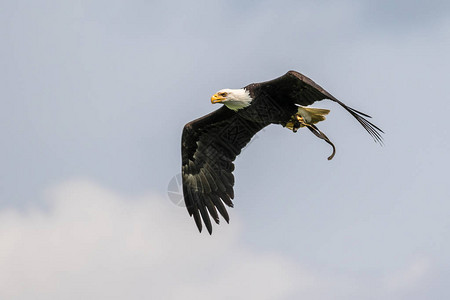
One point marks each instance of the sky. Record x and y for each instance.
(94, 96)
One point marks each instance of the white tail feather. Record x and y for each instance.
(312, 115)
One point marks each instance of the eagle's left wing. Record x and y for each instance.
(300, 89)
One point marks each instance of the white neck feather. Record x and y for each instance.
(237, 98)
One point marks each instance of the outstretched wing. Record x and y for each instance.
(209, 146)
(300, 89)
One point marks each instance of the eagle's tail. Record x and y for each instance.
(312, 115)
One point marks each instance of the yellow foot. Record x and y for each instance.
(296, 122)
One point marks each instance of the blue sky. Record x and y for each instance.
(94, 98)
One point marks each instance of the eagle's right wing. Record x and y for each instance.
(209, 146)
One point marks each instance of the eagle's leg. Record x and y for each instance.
(295, 123)
(306, 116)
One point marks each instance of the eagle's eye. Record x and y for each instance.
(223, 94)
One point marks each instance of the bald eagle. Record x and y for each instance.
(211, 143)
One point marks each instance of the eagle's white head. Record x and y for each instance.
(234, 99)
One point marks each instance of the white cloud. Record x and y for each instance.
(92, 243)
(410, 277)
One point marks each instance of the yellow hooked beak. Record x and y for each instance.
(217, 99)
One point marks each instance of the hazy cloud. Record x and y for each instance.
(92, 243)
